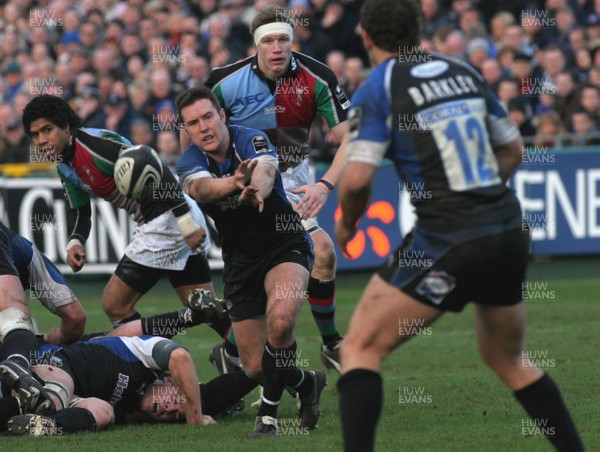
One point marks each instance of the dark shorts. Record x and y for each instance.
(245, 285)
(485, 265)
(7, 265)
(143, 278)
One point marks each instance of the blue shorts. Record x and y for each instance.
(447, 270)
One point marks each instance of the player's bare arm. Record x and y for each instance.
(261, 185)
(185, 378)
(207, 189)
(354, 193)
(71, 326)
(315, 195)
(509, 158)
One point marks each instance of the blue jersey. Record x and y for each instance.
(115, 369)
(37, 273)
(246, 234)
(439, 122)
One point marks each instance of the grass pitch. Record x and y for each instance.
(439, 396)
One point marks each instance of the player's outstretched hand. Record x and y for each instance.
(76, 258)
(196, 240)
(251, 196)
(315, 197)
(243, 173)
(343, 234)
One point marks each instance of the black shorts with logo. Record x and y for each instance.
(447, 270)
(245, 285)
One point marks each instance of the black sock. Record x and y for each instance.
(361, 401)
(321, 297)
(72, 420)
(300, 381)
(277, 364)
(220, 393)
(9, 407)
(165, 325)
(118, 323)
(21, 346)
(231, 349)
(543, 402)
(221, 326)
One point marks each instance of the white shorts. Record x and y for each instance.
(162, 235)
(296, 177)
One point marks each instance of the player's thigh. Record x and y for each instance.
(380, 322)
(285, 285)
(103, 412)
(12, 294)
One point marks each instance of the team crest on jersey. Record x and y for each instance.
(354, 117)
(260, 144)
(341, 97)
(430, 69)
(436, 285)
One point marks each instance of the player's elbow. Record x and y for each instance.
(73, 323)
(178, 357)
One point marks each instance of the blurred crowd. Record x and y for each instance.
(122, 63)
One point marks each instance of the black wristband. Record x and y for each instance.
(328, 184)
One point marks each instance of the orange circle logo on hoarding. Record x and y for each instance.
(380, 243)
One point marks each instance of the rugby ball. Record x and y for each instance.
(138, 171)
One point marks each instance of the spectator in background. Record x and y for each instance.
(565, 22)
(119, 115)
(506, 56)
(498, 26)
(477, 52)
(589, 100)
(491, 72)
(546, 102)
(311, 40)
(13, 79)
(160, 89)
(550, 130)
(16, 144)
(167, 145)
(90, 109)
(508, 89)
(553, 62)
(456, 45)
(141, 132)
(353, 75)
(89, 35)
(433, 17)
(440, 38)
(336, 61)
(578, 39)
(519, 113)
(566, 101)
(79, 61)
(469, 19)
(529, 81)
(593, 26)
(582, 126)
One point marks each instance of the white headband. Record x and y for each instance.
(271, 28)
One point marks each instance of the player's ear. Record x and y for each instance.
(366, 38)
(222, 114)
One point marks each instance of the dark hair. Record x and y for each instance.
(392, 24)
(269, 14)
(52, 108)
(192, 95)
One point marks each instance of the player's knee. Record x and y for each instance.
(325, 258)
(12, 319)
(103, 412)
(280, 330)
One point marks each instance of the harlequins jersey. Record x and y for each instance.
(284, 109)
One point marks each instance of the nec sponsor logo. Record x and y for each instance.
(247, 100)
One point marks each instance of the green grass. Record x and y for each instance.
(470, 409)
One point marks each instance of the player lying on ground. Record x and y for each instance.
(121, 379)
(23, 267)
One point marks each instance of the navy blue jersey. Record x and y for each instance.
(246, 234)
(438, 121)
(115, 369)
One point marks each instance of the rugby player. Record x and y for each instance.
(469, 228)
(281, 92)
(232, 172)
